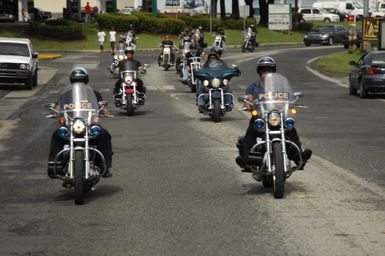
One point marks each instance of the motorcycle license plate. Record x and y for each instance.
(216, 94)
(129, 90)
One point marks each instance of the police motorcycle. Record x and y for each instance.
(195, 65)
(214, 79)
(273, 113)
(129, 98)
(166, 57)
(118, 57)
(79, 165)
(247, 41)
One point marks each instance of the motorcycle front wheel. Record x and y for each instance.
(216, 112)
(129, 105)
(79, 184)
(244, 47)
(279, 170)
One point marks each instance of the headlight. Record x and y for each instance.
(216, 82)
(166, 50)
(289, 123)
(121, 57)
(225, 82)
(79, 126)
(63, 132)
(274, 119)
(128, 79)
(206, 82)
(24, 66)
(95, 130)
(325, 35)
(305, 36)
(259, 123)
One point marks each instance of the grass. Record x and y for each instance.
(337, 63)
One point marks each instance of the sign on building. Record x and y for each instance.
(370, 28)
(279, 17)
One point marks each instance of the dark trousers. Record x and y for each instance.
(250, 138)
(101, 142)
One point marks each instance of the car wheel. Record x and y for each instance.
(307, 44)
(346, 46)
(363, 91)
(28, 83)
(327, 20)
(330, 40)
(35, 79)
(352, 90)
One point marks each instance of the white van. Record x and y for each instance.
(351, 7)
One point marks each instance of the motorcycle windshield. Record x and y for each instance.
(277, 94)
(128, 65)
(218, 69)
(79, 101)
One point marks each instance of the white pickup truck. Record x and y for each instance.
(18, 62)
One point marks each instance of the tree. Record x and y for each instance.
(235, 9)
(264, 11)
(223, 9)
(213, 8)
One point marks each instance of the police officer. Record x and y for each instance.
(102, 142)
(265, 65)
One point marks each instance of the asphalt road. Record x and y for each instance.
(176, 189)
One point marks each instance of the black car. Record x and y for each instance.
(368, 74)
(343, 15)
(41, 15)
(326, 35)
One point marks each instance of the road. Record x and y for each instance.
(176, 189)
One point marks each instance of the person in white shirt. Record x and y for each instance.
(112, 39)
(101, 36)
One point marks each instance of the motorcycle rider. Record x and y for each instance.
(102, 142)
(194, 52)
(131, 33)
(214, 55)
(265, 65)
(221, 32)
(114, 64)
(253, 32)
(201, 41)
(166, 41)
(136, 65)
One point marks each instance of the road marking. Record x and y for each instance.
(91, 65)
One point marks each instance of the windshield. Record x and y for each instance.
(323, 10)
(14, 49)
(277, 94)
(79, 101)
(358, 5)
(324, 29)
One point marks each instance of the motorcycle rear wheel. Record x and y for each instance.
(279, 170)
(216, 112)
(129, 105)
(79, 183)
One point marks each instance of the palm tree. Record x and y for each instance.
(223, 9)
(213, 8)
(235, 9)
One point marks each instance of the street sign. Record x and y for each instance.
(370, 29)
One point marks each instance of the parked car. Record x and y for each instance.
(41, 15)
(7, 17)
(318, 14)
(358, 39)
(18, 62)
(326, 35)
(368, 74)
(343, 15)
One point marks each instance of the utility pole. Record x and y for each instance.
(366, 8)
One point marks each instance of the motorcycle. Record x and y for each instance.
(195, 65)
(218, 41)
(214, 80)
(181, 61)
(130, 40)
(273, 113)
(247, 42)
(166, 59)
(118, 57)
(128, 97)
(79, 164)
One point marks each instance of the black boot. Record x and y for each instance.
(306, 155)
(107, 173)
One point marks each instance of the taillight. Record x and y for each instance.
(129, 90)
(374, 71)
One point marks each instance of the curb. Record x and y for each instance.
(343, 82)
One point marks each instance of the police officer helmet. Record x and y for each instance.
(129, 49)
(266, 64)
(79, 74)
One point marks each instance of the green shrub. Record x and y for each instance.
(120, 22)
(59, 29)
(304, 26)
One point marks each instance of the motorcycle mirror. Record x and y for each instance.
(50, 106)
(234, 66)
(146, 65)
(298, 94)
(352, 63)
(103, 104)
(242, 99)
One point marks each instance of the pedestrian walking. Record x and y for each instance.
(87, 10)
(101, 37)
(112, 39)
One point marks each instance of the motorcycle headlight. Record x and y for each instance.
(259, 123)
(216, 82)
(127, 79)
(225, 82)
(166, 50)
(95, 130)
(121, 57)
(24, 66)
(79, 126)
(274, 119)
(206, 82)
(289, 123)
(63, 132)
